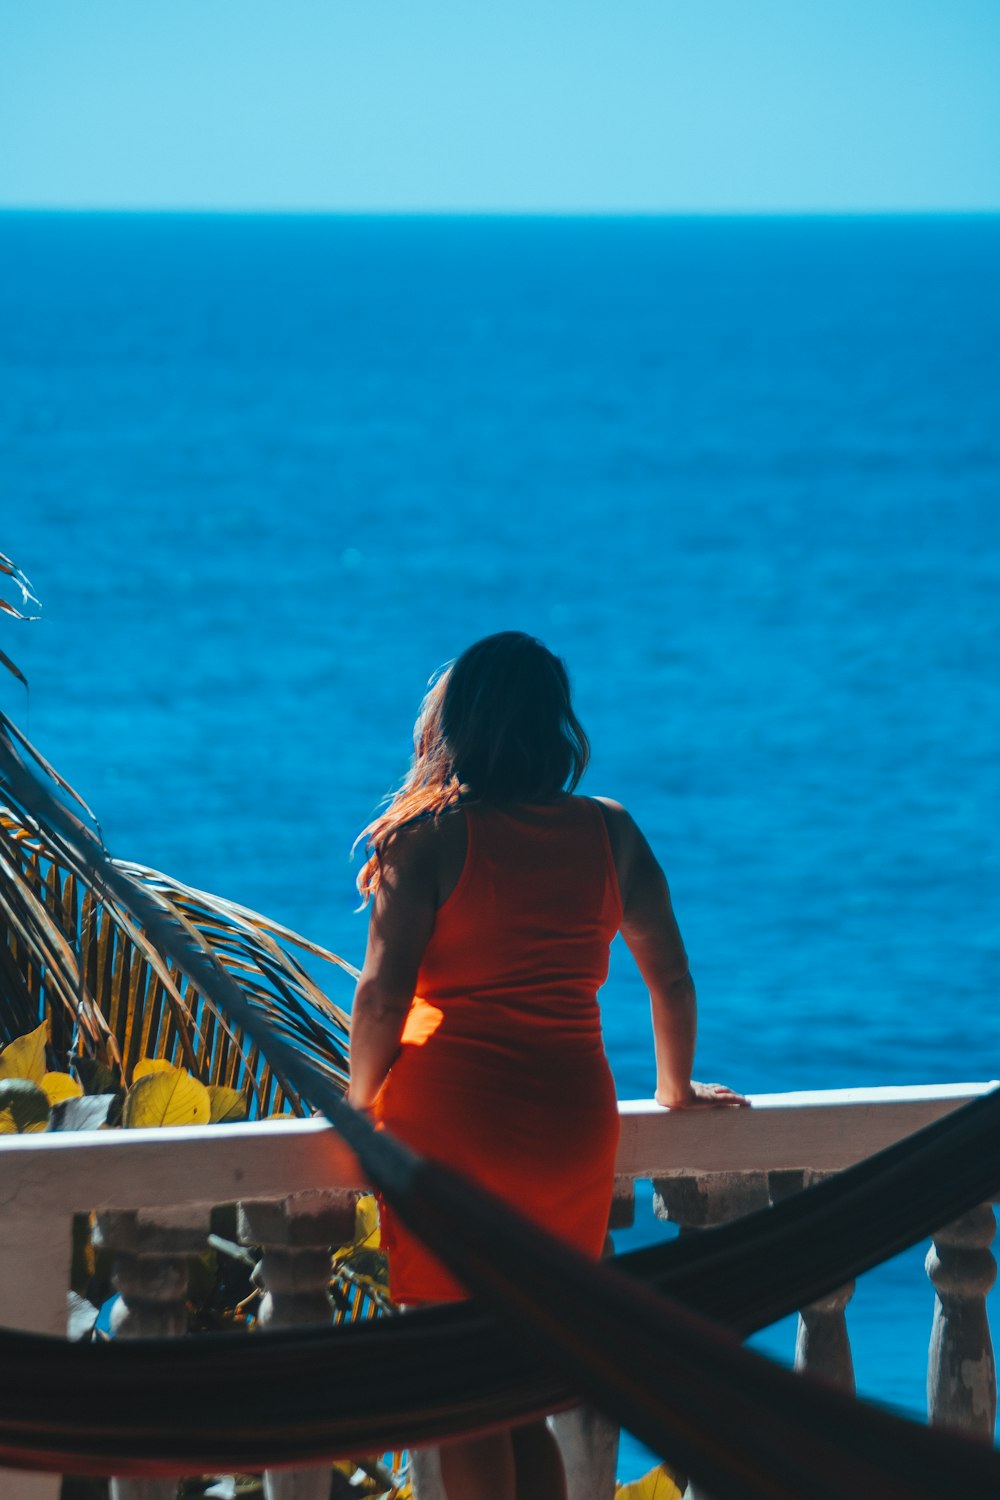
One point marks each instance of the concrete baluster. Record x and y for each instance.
(295, 1236)
(152, 1251)
(710, 1198)
(961, 1373)
(822, 1342)
(425, 1474)
(35, 1253)
(697, 1203)
(588, 1440)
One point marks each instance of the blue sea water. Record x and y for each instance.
(267, 473)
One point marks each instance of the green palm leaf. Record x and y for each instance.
(13, 572)
(71, 952)
(76, 954)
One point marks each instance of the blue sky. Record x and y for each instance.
(534, 105)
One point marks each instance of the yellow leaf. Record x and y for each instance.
(147, 1065)
(658, 1484)
(167, 1098)
(366, 1225)
(9, 1125)
(24, 1057)
(226, 1104)
(24, 1109)
(59, 1086)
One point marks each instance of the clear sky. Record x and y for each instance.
(537, 105)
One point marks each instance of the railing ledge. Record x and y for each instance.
(826, 1130)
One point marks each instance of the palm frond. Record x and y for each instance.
(20, 581)
(12, 667)
(72, 950)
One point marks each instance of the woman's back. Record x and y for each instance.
(522, 939)
(501, 1069)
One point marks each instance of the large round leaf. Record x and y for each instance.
(23, 1107)
(147, 1065)
(24, 1057)
(659, 1484)
(58, 1087)
(172, 1097)
(367, 1233)
(226, 1104)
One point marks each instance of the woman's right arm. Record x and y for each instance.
(650, 929)
(400, 925)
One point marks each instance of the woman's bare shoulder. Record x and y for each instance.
(623, 832)
(616, 816)
(429, 849)
(635, 862)
(421, 836)
(612, 808)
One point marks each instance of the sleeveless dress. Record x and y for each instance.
(501, 1072)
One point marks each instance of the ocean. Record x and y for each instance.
(267, 473)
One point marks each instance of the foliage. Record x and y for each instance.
(162, 1095)
(661, 1483)
(168, 1097)
(360, 1270)
(24, 1057)
(103, 1028)
(23, 1107)
(221, 1292)
(71, 954)
(17, 578)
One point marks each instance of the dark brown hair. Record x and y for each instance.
(496, 725)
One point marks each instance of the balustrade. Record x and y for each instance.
(296, 1236)
(961, 1373)
(152, 1251)
(152, 1192)
(822, 1342)
(695, 1204)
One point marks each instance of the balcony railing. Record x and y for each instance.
(153, 1192)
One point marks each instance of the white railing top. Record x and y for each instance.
(51, 1175)
(826, 1129)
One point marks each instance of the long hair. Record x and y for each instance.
(496, 725)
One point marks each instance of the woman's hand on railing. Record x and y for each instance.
(703, 1096)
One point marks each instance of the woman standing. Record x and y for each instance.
(475, 1033)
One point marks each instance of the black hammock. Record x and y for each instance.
(742, 1426)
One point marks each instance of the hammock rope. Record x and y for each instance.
(742, 1426)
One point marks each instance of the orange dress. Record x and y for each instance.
(501, 1071)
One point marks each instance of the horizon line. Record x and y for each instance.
(258, 211)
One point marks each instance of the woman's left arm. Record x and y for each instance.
(402, 920)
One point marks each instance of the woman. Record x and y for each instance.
(475, 1032)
